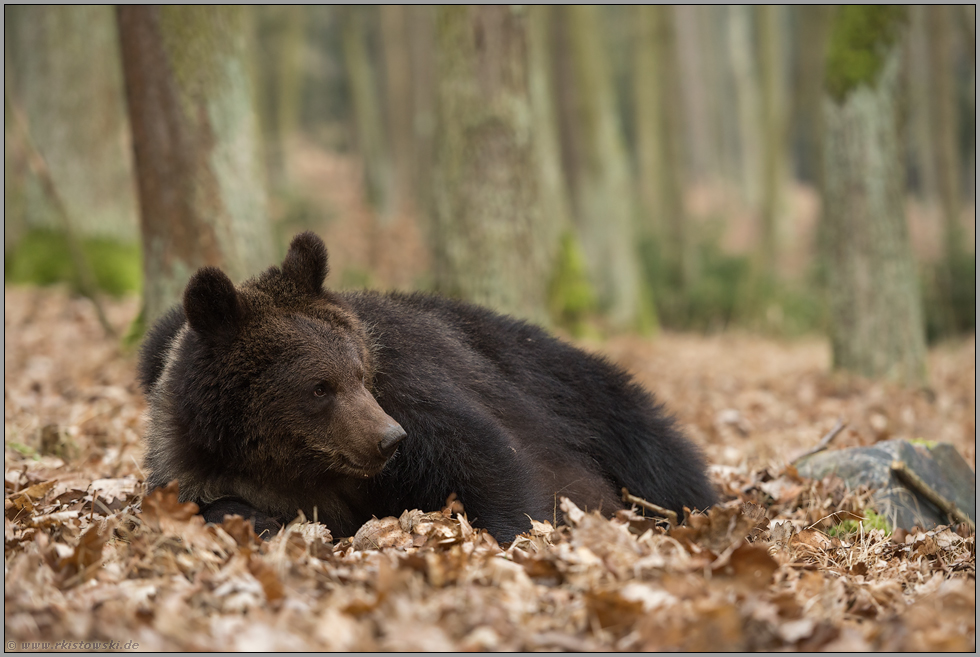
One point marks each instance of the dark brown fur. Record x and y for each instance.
(280, 396)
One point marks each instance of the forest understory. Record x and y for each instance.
(782, 563)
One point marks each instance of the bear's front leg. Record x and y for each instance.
(264, 525)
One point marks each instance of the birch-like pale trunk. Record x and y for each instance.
(605, 195)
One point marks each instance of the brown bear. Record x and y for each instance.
(279, 396)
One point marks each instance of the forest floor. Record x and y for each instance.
(90, 563)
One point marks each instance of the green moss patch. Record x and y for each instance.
(42, 257)
(861, 37)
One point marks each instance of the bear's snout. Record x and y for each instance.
(373, 435)
(389, 442)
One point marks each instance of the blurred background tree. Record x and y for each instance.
(592, 168)
(876, 326)
(490, 239)
(62, 67)
(195, 140)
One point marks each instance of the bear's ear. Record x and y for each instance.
(306, 262)
(212, 306)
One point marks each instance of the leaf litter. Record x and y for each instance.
(90, 557)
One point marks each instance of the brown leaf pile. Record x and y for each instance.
(89, 559)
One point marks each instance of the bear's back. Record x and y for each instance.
(472, 344)
(568, 410)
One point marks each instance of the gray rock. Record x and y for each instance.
(939, 465)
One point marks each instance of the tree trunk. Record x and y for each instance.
(566, 94)
(679, 243)
(604, 191)
(648, 96)
(876, 318)
(932, 136)
(281, 33)
(570, 297)
(491, 243)
(723, 108)
(919, 123)
(968, 25)
(716, 109)
(658, 141)
(944, 123)
(366, 104)
(195, 133)
(772, 131)
(810, 32)
(399, 103)
(62, 63)
(553, 192)
(421, 19)
(694, 93)
(746, 78)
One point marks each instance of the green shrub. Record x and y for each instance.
(727, 291)
(570, 296)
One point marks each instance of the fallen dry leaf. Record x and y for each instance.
(88, 558)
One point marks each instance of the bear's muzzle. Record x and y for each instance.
(393, 435)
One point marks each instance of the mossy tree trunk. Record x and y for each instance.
(195, 138)
(490, 241)
(876, 318)
(606, 211)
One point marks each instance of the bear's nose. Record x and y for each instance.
(389, 442)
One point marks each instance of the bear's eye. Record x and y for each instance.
(320, 390)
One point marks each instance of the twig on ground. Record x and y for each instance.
(825, 441)
(671, 516)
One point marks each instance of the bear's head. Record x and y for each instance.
(268, 384)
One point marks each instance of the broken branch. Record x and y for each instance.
(671, 516)
(825, 441)
(917, 484)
